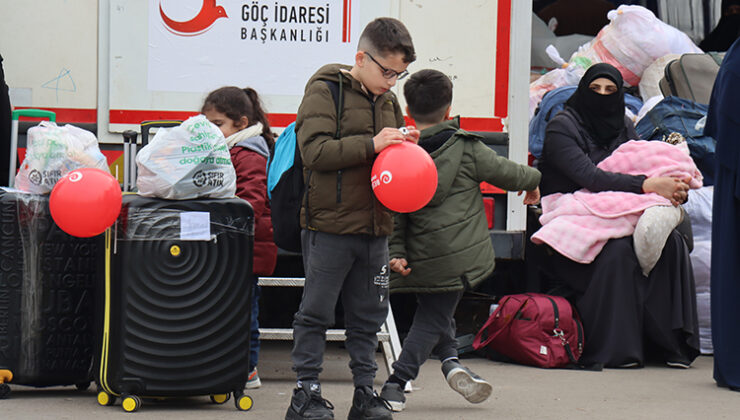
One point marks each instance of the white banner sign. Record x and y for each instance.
(273, 46)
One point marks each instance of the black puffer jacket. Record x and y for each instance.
(570, 155)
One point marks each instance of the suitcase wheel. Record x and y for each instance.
(4, 391)
(130, 403)
(82, 386)
(5, 376)
(243, 402)
(220, 398)
(105, 398)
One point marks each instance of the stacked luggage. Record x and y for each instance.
(176, 304)
(158, 306)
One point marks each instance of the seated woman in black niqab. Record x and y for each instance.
(628, 318)
(727, 29)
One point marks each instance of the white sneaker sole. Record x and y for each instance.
(678, 365)
(396, 406)
(473, 389)
(253, 384)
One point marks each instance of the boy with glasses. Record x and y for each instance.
(345, 228)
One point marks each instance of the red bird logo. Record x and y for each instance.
(197, 25)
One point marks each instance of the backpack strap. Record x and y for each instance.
(336, 93)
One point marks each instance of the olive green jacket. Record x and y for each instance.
(447, 243)
(339, 196)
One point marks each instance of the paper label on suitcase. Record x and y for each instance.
(195, 226)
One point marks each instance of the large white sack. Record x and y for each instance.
(633, 39)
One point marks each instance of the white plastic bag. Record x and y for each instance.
(52, 152)
(188, 161)
(553, 79)
(634, 39)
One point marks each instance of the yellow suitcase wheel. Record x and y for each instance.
(105, 398)
(220, 398)
(244, 403)
(130, 403)
(5, 376)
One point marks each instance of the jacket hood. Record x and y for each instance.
(257, 144)
(447, 157)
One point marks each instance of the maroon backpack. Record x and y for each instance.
(534, 329)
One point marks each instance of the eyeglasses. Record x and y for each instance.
(388, 73)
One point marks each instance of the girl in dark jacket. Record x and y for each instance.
(239, 115)
(625, 314)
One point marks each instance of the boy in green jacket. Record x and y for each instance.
(345, 229)
(445, 248)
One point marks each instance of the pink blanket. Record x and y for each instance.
(577, 225)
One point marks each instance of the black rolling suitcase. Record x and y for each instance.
(176, 301)
(47, 293)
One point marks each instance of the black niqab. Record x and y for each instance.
(603, 115)
(722, 37)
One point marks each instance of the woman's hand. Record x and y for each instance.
(674, 189)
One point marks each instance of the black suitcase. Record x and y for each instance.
(47, 294)
(176, 301)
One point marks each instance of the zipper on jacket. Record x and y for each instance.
(372, 106)
(306, 191)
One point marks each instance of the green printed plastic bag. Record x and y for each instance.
(189, 161)
(52, 152)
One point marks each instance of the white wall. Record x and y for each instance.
(50, 52)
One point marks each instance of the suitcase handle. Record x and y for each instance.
(129, 141)
(147, 125)
(130, 149)
(35, 113)
(14, 123)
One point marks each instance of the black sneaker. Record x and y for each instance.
(393, 393)
(307, 403)
(466, 383)
(367, 405)
(678, 363)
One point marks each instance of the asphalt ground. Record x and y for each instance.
(519, 392)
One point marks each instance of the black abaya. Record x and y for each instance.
(723, 123)
(625, 313)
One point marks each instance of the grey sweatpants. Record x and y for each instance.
(356, 266)
(432, 330)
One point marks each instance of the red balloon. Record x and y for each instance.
(404, 177)
(85, 202)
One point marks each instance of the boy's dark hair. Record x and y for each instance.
(428, 93)
(387, 36)
(236, 103)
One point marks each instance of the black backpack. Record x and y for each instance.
(288, 192)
